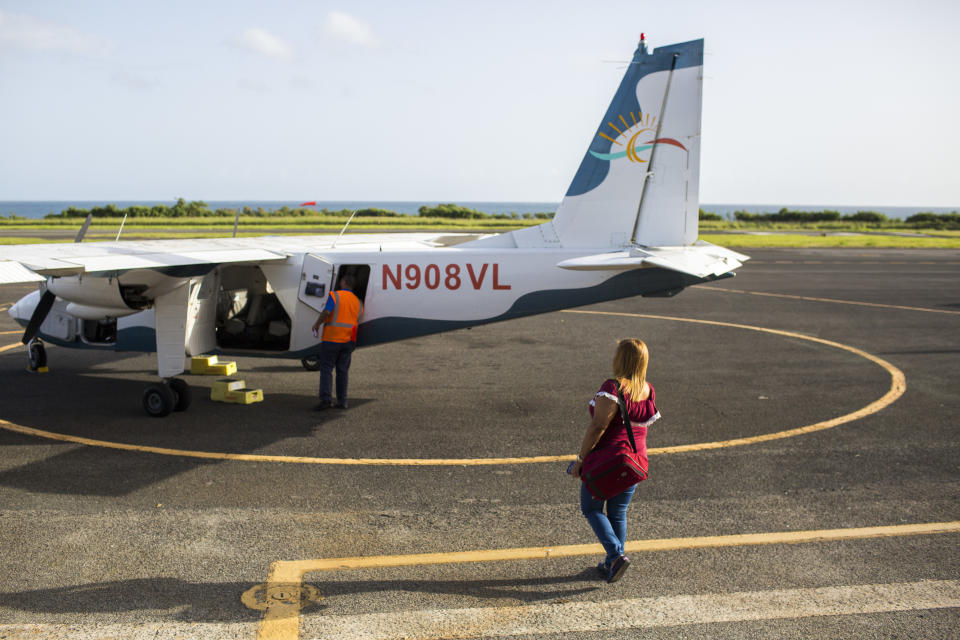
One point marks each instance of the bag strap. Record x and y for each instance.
(626, 419)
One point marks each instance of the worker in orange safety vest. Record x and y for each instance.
(340, 317)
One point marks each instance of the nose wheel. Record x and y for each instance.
(36, 354)
(159, 400)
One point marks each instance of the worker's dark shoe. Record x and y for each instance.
(617, 568)
(341, 405)
(322, 406)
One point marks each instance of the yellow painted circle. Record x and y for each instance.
(898, 385)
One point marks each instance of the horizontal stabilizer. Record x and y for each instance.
(701, 259)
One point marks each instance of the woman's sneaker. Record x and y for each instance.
(617, 568)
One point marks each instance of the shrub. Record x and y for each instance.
(866, 216)
(936, 221)
(450, 211)
(376, 213)
(786, 215)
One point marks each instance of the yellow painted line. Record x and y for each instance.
(281, 619)
(10, 333)
(898, 386)
(251, 457)
(831, 300)
(11, 346)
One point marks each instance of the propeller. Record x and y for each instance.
(39, 315)
(83, 229)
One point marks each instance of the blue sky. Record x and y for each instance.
(851, 103)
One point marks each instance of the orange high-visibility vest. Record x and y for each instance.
(341, 326)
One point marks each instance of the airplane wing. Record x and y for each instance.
(701, 259)
(12, 272)
(32, 262)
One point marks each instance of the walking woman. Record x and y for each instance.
(607, 429)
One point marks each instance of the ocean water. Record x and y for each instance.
(40, 208)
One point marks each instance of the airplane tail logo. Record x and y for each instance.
(634, 147)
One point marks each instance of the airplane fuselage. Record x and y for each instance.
(406, 293)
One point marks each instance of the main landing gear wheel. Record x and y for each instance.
(172, 395)
(311, 363)
(36, 354)
(184, 396)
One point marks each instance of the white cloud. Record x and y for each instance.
(26, 33)
(264, 43)
(345, 27)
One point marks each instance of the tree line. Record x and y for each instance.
(200, 209)
(926, 220)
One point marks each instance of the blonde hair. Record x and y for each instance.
(630, 366)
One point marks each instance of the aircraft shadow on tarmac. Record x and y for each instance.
(87, 407)
(220, 602)
(194, 602)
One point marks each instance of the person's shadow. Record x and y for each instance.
(185, 601)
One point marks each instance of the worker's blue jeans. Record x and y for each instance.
(335, 355)
(611, 528)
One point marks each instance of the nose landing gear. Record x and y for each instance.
(36, 354)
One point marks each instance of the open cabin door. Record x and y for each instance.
(202, 314)
(316, 280)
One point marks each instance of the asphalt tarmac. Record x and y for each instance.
(101, 542)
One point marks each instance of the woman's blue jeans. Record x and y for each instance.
(610, 527)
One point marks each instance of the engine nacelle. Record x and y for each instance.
(89, 312)
(93, 292)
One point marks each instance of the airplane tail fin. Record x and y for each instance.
(639, 180)
(638, 183)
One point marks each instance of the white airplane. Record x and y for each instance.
(627, 226)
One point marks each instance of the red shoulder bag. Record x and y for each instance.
(617, 467)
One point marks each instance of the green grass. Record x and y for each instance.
(835, 225)
(803, 241)
(25, 240)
